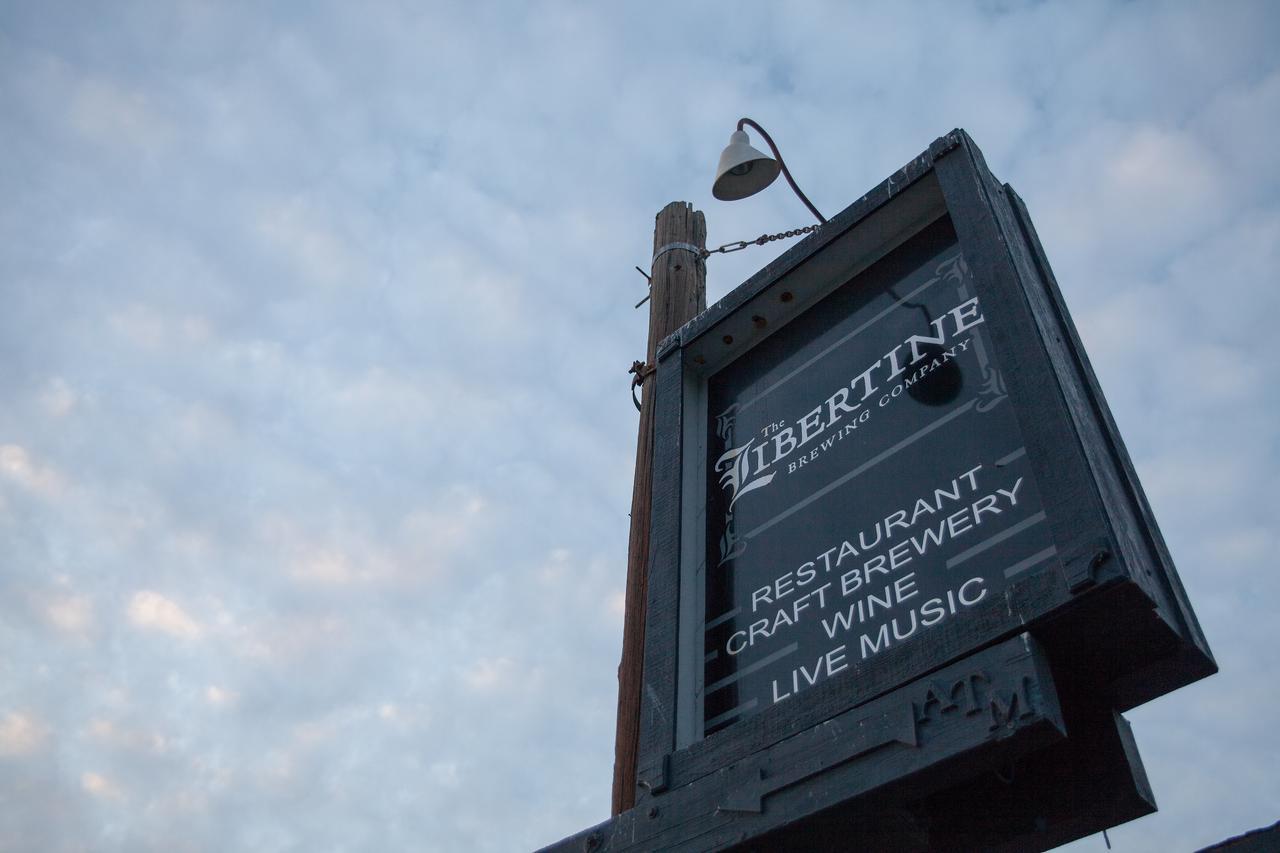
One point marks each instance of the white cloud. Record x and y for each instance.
(556, 568)
(1244, 544)
(100, 786)
(112, 115)
(1164, 173)
(420, 548)
(488, 674)
(278, 640)
(617, 603)
(445, 774)
(150, 328)
(276, 770)
(1200, 476)
(17, 466)
(59, 398)
(219, 697)
(318, 251)
(330, 566)
(140, 325)
(152, 611)
(312, 733)
(123, 737)
(71, 614)
(21, 734)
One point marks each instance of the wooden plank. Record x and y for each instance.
(1125, 480)
(991, 707)
(1137, 645)
(662, 632)
(678, 292)
(1074, 507)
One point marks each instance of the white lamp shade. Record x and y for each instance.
(743, 170)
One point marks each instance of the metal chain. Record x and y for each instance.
(739, 246)
(759, 241)
(641, 371)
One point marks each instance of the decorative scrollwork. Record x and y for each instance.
(730, 545)
(724, 424)
(954, 269)
(993, 392)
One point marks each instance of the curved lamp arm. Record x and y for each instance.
(786, 173)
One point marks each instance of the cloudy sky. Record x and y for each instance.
(316, 443)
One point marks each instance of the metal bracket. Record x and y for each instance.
(655, 779)
(688, 247)
(1082, 564)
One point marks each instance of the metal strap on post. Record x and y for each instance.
(688, 247)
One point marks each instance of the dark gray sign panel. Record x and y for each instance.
(866, 482)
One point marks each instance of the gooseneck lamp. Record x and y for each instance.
(744, 171)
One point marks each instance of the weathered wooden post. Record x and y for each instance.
(678, 292)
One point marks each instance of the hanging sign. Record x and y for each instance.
(866, 482)
(898, 550)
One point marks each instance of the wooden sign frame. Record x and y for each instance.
(1109, 606)
(998, 728)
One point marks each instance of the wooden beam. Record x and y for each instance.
(678, 294)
